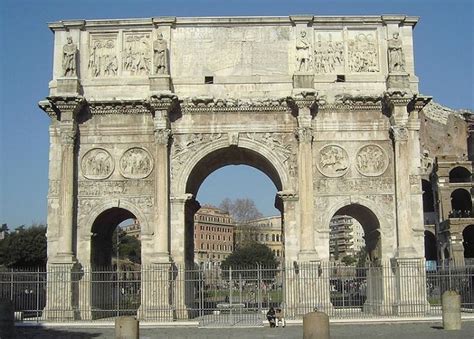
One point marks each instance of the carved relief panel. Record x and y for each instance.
(329, 52)
(136, 163)
(97, 164)
(103, 55)
(363, 52)
(332, 161)
(371, 160)
(137, 53)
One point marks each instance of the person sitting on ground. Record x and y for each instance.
(279, 318)
(271, 317)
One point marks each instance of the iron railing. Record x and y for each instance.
(234, 296)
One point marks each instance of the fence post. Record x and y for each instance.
(316, 325)
(126, 328)
(7, 320)
(451, 301)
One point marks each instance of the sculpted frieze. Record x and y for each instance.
(354, 185)
(328, 53)
(371, 160)
(97, 164)
(103, 59)
(283, 144)
(114, 187)
(363, 52)
(136, 53)
(136, 163)
(415, 184)
(332, 161)
(203, 104)
(53, 188)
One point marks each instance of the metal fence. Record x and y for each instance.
(235, 296)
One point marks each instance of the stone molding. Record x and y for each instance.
(62, 107)
(213, 105)
(288, 195)
(134, 107)
(352, 103)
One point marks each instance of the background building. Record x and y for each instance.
(213, 235)
(267, 231)
(346, 237)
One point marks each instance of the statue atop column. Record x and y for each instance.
(303, 53)
(69, 58)
(396, 59)
(160, 55)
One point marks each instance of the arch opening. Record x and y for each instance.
(459, 174)
(115, 268)
(468, 242)
(430, 246)
(461, 204)
(428, 197)
(355, 232)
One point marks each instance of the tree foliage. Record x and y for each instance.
(129, 247)
(241, 210)
(26, 247)
(250, 255)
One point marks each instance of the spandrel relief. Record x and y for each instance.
(103, 60)
(97, 164)
(329, 52)
(333, 161)
(136, 163)
(371, 160)
(363, 53)
(136, 55)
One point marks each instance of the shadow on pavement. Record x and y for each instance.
(438, 327)
(46, 332)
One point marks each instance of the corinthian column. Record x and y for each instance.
(160, 106)
(67, 109)
(303, 105)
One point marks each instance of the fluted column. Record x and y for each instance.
(160, 106)
(303, 106)
(67, 109)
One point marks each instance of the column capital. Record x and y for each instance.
(306, 100)
(399, 133)
(161, 104)
(304, 134)
(162, 136)
(63, 108)
(182, 198)
(288, 195)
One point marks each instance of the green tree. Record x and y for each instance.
(250, 255)
(26, 247)
(129, 247)
(348, 260)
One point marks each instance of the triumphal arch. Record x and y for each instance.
(143, 110)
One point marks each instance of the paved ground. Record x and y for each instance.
(405, 331)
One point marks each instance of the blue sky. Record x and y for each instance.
(443, 41)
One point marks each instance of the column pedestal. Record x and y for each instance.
(60, 294)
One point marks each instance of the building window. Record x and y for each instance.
(273, 237)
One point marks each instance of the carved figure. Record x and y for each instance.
(303, 52)
(69, 58)
(160, 55)
(137, 57)
(363, 55)
(371, 160)
(102, 58)
(136, 163)
(396, 59)
(328, 55)
(333, 161)
(97, 164)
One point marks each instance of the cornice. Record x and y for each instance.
(106, 107)
(352, 103)
(212, 105)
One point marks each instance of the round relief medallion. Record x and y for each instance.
(136, 163)
(371, 160)
(97, 164)
(333, 161)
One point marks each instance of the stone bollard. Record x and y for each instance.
(126, 328)
(7, 320)
(316, 325)
(451, 301)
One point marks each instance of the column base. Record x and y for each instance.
(68, 86)
(398, 81)
(165, 314)
(160, 82)
(307, 256)
(303, 80)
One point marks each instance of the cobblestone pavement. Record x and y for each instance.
(405, 331)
